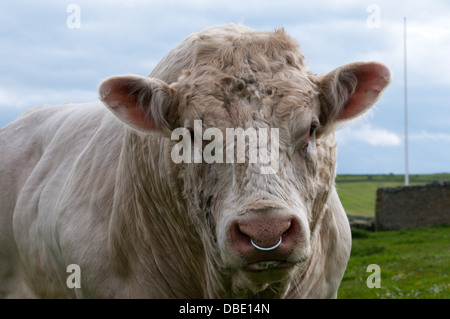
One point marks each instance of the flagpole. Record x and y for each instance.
(406, 105)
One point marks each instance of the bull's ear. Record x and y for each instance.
(350, 90)
(143, 103)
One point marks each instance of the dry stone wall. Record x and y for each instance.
(406, 207)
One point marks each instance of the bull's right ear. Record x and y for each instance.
(143, 103)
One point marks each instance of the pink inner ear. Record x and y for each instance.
(135, 116)
(115, 93)
(372, 80)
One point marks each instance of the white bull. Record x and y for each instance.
(98, 187)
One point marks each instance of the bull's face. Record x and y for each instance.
(251, 140)
(259, 206)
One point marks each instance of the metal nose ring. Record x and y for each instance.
(268, 248)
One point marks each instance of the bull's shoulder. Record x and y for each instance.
(60, 131)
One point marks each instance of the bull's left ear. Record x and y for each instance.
(350, 90)
(141, 102)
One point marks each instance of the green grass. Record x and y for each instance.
(358, 192)
(413, 263)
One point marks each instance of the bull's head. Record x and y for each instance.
(260, 224)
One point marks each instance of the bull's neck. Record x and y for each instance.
(152, 240)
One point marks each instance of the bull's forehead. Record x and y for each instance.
(271, 99)
(242, 77)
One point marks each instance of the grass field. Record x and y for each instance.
(358, 192)
(413, 264)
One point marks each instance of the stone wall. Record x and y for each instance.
(412, 206)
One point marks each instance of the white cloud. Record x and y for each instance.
(425, 136)
(369, 135)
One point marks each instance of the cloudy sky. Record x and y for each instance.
(59, 51)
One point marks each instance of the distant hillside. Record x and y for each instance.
(358, 192)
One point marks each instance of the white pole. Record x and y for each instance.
(406, 106)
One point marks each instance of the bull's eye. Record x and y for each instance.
(312, 129)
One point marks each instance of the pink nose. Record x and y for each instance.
(262, 236)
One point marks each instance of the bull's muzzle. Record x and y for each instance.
(264, 237)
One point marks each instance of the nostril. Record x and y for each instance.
(292, 234)
(289, 230)
(237, 235)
